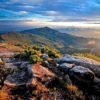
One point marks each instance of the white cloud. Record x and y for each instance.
(52, 13)
(26, 6)
(23, 12)
(46, 22)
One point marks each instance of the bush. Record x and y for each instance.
(35, 59)
(34, 53)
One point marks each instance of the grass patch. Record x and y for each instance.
(88, 55)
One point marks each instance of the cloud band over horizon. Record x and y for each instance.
(54, 13)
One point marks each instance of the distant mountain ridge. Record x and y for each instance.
(54, 35)
(50, 37)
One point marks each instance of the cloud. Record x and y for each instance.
(23, 12)
(18, 25)
(6, 14)
(57, 10)
(51, 13)
(22, 15)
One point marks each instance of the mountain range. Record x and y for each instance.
(52, 38)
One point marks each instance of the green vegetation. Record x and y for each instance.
(88, 55)
(37, 53)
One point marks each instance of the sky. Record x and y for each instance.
(21, 14)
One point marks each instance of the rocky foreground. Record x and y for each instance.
(65, 78)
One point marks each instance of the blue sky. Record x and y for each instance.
(56, 10)
(84, 13)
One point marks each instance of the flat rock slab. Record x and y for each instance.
(65, 67)
(26, 73)
(76, 59)
(41, 72)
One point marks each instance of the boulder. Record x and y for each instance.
(81, 61)
(96, 86)
(82, 74)
(45, 57)
(45, 64)
(65, 59)
(9, 60)
(20, 77)
(77, 60)
(67, 79)
(65, 67)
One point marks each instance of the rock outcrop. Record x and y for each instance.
(82, 61)
(26, 75)
(77, 60)
(83, 70)
(40, 78)
(79, 72)
(65, 67)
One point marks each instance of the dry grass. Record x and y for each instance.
(1, 62)
(9, 47)
(4, 95)
(88, 55)
(72, 88)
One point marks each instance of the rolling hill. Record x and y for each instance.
(46, 36)
(55, 36)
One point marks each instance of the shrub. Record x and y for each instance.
(34, 53)
(35, 59)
